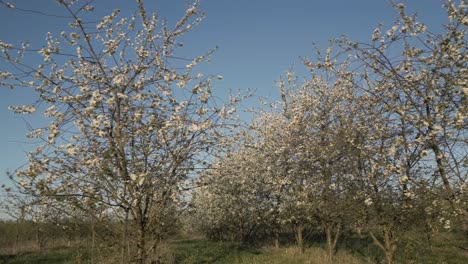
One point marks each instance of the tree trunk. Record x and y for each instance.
(40, 240)
(76, 234)
(15, 249)
(141, 243)
(389, 245)
(465, 228)
(329, 242)
(359, 231)
(69, 238)
(299, 238)
(93, 242)
(331, 239)
(277, 243)
(155, 250)
(389, 257)
(124, 238)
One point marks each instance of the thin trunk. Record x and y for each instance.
(337, 235)
(154, 249)
(332, 239)
(389, 245)
(129, 248)
(141, 243)
(38, 237)
(465, 228)
(241, 237)
(124, 238)
(76, 236)
(15, 249)
(299, 238)
(359, 231)
(277, 242)
(389, 256)
(69, 238)
(328, 235)
(93, 242)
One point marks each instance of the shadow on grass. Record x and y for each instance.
(6, 258)
(50, 256)
(202, 251)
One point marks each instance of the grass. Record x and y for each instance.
(199, 251)
(193, 251)
(50, 256)
(444, 249)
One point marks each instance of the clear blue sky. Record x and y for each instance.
(257, 40)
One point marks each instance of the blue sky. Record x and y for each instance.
(257, 40)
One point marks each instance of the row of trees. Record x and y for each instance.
(370, 141)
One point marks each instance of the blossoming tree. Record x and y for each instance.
(415, 144)
(129, 121)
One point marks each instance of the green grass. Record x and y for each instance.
(191, 251)
(201, 251)
(194, 251)
(444, 249)
(50, 256)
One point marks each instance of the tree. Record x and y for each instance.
(296, 162)
(129, 120)
(275, 138)
(423, 90)
(321, 114)
(414, 143)
(233, 199)
(18, 207)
